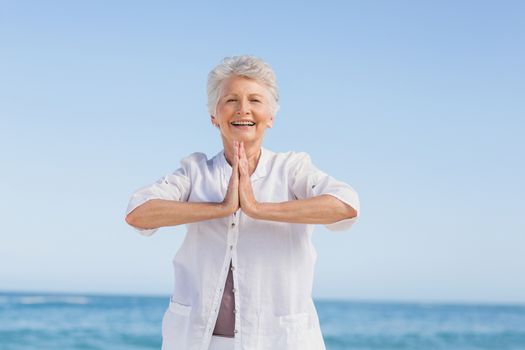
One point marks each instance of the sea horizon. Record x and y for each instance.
(114, 321)
(443, 302)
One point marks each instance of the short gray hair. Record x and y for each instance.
(246, 66)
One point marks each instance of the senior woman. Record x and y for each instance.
(244, 272)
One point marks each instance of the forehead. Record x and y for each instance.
(242, 85)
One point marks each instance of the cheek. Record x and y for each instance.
(263, 112)
(223, 112)
(265, 117)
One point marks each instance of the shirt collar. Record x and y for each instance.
(260, 170)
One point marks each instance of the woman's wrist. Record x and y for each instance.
(226, 209)
(253, 209)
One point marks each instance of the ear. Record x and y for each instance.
(269, 124)
(214, 121)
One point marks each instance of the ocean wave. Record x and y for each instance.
(46, 299)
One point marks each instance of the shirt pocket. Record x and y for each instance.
(175, 326)
(286, 332)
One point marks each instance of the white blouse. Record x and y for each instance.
(272, 262)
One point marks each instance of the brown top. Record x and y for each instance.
(225, 324)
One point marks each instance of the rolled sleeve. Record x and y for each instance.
(309, 181)
(175, 186)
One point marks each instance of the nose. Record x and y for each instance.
(243, 107)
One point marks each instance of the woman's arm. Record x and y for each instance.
(323, 209)
(159, 213)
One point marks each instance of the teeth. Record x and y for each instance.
(243, 123)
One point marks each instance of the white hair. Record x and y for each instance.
(245, 66)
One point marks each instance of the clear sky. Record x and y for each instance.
(418, 105)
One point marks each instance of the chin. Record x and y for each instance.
(250, 138)
(245, 137)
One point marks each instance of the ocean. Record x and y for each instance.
(74, 322)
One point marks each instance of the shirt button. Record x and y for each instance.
(233, 268)
(233, 224)
(235, 331)
(234, 290)
(234, 311)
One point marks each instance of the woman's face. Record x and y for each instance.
(243, 99)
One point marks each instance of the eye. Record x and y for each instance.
(255, 100)
(231, 100)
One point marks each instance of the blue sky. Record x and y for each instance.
(417, 105)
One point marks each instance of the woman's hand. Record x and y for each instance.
(240, 192)
(246, 196)
(231, 202)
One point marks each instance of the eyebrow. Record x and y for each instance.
(234, 94)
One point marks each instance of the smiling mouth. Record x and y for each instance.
(240, 124)
(243, 125)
